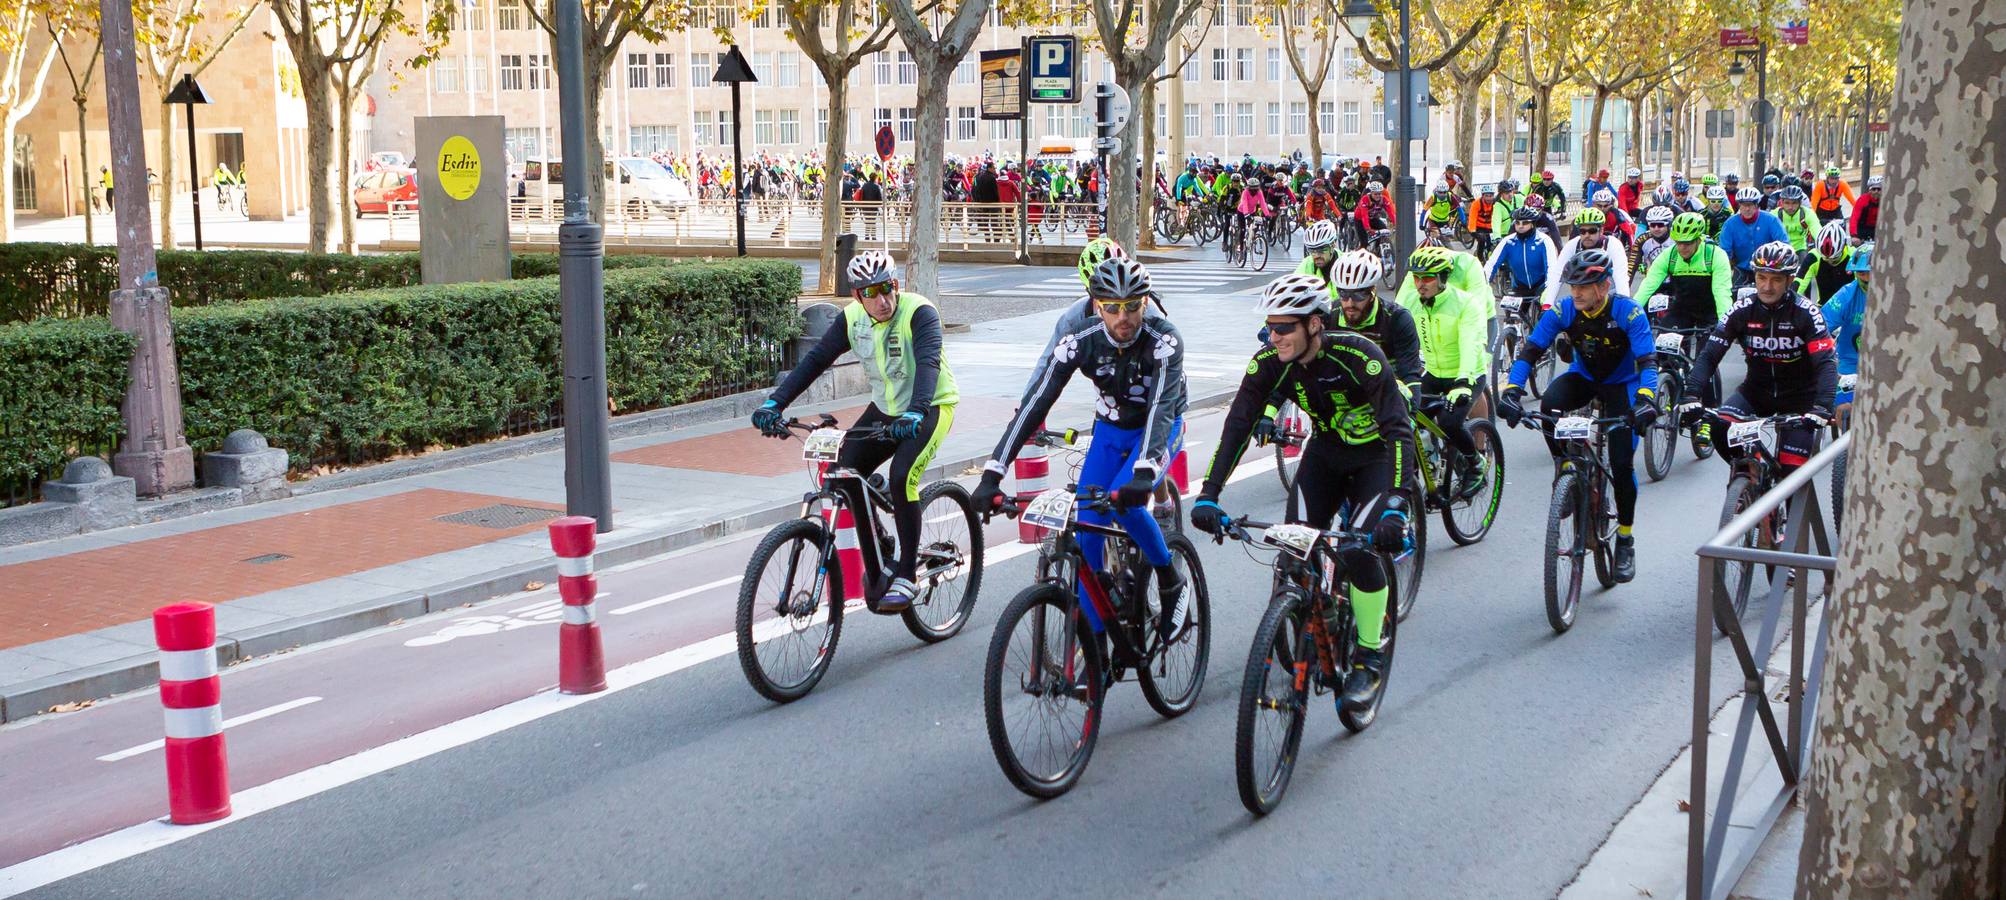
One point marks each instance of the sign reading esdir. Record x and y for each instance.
(886, 142)
(1055, 70)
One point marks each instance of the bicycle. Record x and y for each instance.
(1057, 670)
(1847, 384)
(1381, 242)
(1580, 518)
(1676, 348)
(1750, 452)
(1467, 518)
(1288, 442)
(1295, 654)
(788, 626)
(1513, 327)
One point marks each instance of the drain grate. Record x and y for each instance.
(500, 515)
(263, 558)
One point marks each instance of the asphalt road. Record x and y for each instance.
(1501, 760)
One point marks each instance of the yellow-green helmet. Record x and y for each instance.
(1689, 226)
(1435, 261)
(1097, 251)
(1590, 216)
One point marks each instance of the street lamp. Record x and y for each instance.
(1736, 74)
(1531, 104)
(1358, 17)
(1866, 118)
(190, 94)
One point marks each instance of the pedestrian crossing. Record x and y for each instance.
(1196, 278)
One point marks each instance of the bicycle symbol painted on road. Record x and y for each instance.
(548, 612)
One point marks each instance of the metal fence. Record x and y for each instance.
(1715, 854)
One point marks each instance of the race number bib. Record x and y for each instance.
(1296, 539)
(1846, 382)
(1743, 434)
(822, 445)
(1671, 342)
(1660, 303)
(1052, 509)
(1574, 428)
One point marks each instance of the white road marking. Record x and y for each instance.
(230, 723)
(678, 595)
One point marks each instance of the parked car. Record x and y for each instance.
(376, 191)
(640, 186)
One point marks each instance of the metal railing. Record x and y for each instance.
(1715, 859)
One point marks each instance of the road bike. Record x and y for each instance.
(1052, 659)
(1581, 516)
(1676, 348)
(1467, 511)
(797, 586)
(1749, 447)
(1296, 654)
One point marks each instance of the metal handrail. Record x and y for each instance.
(1714, 863)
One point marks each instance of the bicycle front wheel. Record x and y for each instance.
(1470, 513)
(1171, 679)
(1259, 250)
(1732, 581)
(1406, 585)
(1661, 441)
(790, 612)
(950, 563)
(1042, 688)
(1274, 700)
(1566, 540)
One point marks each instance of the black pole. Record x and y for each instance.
(1407, 204)
(1761, 109)
(1103, 99)
(581, 285)
(194, 180)
(1024, 151)
(737, 167)
(1866, 130)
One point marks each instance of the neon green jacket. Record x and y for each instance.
(1455, 338)
(1800, 229)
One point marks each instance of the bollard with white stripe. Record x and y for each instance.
(1031, 473)
(581, 659)
(1180, 472)
(849, 556)
(191, 694)
(1294, 424)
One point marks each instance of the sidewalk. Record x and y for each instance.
(74, 611)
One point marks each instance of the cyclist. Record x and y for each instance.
(1253, 203)
(1481, 211)
(1829, 196)
(1630, 194)
(1791, 368)
(1319, 249)
(1318, 205)
(1798, 223)
(1683, 199)
(1528, 255)
(1826, 268)
(1694, 275)
(1749, 228)
(1657, 237)
(1439, 213)
(1390, 327)
(1509, 203)
(1375, 210)
(897, 337)
(1846, 314)
(1771, 183)
(1618, 225)
(1592, 186)
(1730, 184)
(1546, 186)
(1135, 359)
(1551, 229)
(1590, 234)
(1356, 451)
(1615, 362)
(1716, 211)
(1459, 184)
(1187, 183)
(1867, 212)
(1455, 351)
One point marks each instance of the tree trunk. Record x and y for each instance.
(1542, 127)
(344, 158)
(928, 156)
(1908, 774)
(7, 128)
(1638, 141)
(1591, 144)
(1119, 181)
(1175, 110)
(597, 62)
(1506, 122)
(1313, 123)
(837, 80)
(1466, 92)
(83, 164)
(1680, 119)
(317, 98)
(165, 212)
(1146, 137)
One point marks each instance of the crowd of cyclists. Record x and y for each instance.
(1770, 268)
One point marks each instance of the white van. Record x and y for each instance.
(643, 187)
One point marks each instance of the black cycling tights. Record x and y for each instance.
(1571, 391)
(909, 460)
(1332, 473)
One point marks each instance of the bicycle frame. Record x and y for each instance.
(1316, 575)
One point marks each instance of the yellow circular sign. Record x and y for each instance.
(459, 167)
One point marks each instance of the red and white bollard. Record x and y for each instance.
(849, 555)
(1180, 472)
(1295, 426)
(1031, 472)
(191, 693)
(581, 658)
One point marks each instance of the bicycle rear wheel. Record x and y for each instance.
(1042, 688)
(1173, 676)
(1357, 720)
(1274, 700)
(1405, 587)
(1732, 581)
(1468, 519)
(788, 617)
(950, 563)
(1566, 539)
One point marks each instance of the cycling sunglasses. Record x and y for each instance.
(1659, 225)
(1283, 328)
(1121, 306)
(881, 289)
(1356, 296)
(1588, 229)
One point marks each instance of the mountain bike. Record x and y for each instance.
(1848, 384)
(1052, 659)
(1581, 516)
(1381, 242)
(1676, 348)
(799, 581)
(1749, 447)
(1467, 511)
(1516, 316)
(1291, 433)
(1294, 653)
(1289, 442)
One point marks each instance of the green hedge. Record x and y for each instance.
(367, 375)
(61, 383)
(76, 280)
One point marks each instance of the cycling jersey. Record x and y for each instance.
(1715, 218)
(1391, 329)
(1531, 260)
(1827, 195)
(1612, 345)
(1187, 184)
(1800, 227)
(901, 356)
(1480, 215)
(1648, 249)
(1454, 337)
(1739, 236)
(1344, 391)
(1440, 212)
(1700, 285)
(1789, 353)
(1866, 213)
(1501, 215)
(1141, 385)
(1619, 270)
(1846, 315)
(1308, 266)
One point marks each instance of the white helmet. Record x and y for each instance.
(1374, 187)
(1118, 277)
(1356, 271)
(1295, 295)
(1716, 192)
(1633, 173)
(872, 267)
(1321, 234)
(1454, 164)
(1605, 195)
(1832, 239)
(1658, 215)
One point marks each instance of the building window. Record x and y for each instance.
(1243, 119)
(964, 124)
(821, 126)
(1243, 13)
(1190, 120)
(476, 15)
(790, 126)
(508, 16)
(647, 140)
(1219, 64)
(881, 66)
(1347, 62)
(1298, 117)
(704, 136)
(762, 66)
(883, 117)
(1351, 117)
(522, 143)
(700, 69)
(907, 117)
(1003, 129)
(25, 197)
(1326, 117)
(1378, 118)
(477, 75)
(762, 127)
(965, 71)
(790, 69)
(511, 72)
(908, 69)
(1243, 64)
(539, 71)
(637, 70)
(1274, 64)
(665, 70)
(1162, 120)
(446, 75)
(1219, 120)
(724, 127)
(1191, 67)
(1274, 118)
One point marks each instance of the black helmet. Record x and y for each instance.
(1771, 181)
(1586, 267)
(1525, 214)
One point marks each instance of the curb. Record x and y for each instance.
(31, 698)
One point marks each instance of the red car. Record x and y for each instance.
(375, 191)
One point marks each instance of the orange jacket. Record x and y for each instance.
(1827, 200)
(1480, 214)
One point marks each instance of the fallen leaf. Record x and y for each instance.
(533, 586)
(1643, 892)
(1685, 806)
(72, 706)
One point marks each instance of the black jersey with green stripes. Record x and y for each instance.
(1348, 391)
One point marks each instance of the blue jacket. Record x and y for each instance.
(1845, 314)
(1589, 187)
(1740, 238)
(1616, 347)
